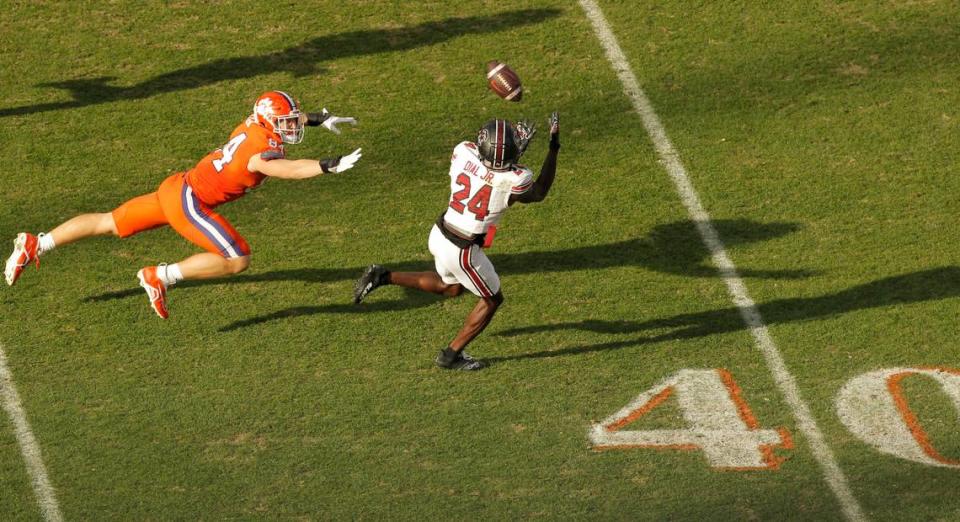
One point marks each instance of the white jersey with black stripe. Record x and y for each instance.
(478, 195)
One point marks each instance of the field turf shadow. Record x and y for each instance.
(411, 299)
(301, 60)
(673, 248)
(927, 285)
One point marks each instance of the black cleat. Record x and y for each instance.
(460, 361)
(373, 276)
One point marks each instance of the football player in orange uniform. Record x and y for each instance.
(185, 200)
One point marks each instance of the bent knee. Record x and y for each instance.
(495, 300)
(238, 264)
(453, 290)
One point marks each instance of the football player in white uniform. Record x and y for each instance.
(485, 179)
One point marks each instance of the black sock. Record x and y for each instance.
(384, 278)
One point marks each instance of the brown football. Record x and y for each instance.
(504, 81)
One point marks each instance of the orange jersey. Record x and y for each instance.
(222, 175)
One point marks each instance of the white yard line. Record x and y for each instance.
(738, 290)
(46, 496)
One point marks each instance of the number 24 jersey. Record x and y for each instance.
(478, 195)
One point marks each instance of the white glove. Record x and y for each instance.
(347, 161)
(332, 121)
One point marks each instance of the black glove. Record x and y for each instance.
(315, 119)
(328, 120)
(327, 165)
(340, 163)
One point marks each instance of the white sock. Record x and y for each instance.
(44, 243)
(169, 274)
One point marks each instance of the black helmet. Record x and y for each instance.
(498, 145)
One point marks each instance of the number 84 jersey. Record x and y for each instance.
(478, 195)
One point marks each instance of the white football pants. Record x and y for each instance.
(470, 266)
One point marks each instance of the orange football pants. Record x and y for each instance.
(175, 204)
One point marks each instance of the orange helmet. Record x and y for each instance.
(279, 112)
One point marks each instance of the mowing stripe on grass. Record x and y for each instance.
(28, 444)
(738, 290)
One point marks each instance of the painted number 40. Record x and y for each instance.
(720, 424)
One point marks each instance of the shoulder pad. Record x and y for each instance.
(466, 145)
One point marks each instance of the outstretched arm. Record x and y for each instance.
(302, 168)
(538, 192)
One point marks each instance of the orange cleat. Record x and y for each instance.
(24, 251)
(156, 290)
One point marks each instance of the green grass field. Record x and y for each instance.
(820, 136)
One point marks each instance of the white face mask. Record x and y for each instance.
(289, 127)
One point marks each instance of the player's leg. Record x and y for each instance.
(477, 274)
(136, 215)
(83, 226)
(207, 266)
(479, 318)
(441, 282)
(425, 281)
(376, 276)
(156, 279)
(453, 357)
(227, 252)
